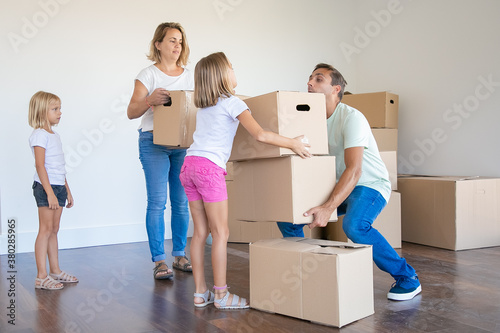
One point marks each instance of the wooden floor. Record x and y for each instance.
(116, 293)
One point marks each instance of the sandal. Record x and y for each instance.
(185, 268)
(48, 283)
(235, 304)
(208, 298)
(64, 277)
(157, 270)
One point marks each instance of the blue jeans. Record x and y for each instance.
(361, 208)
(161, 167)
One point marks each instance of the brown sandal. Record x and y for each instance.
(185, 268)
(157, 270)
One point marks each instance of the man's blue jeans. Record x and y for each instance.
(161, 167)
(361, 208)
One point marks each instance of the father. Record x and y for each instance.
(363, 187)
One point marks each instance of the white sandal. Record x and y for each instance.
(64, 277)
(235, 304)
(48, 283)
(208, 298)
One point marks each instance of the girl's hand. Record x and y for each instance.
(70, 200)
(300, 148)
(159, 96)
(53, 202)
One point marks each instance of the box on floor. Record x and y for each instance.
(454, 213)
(322, 281)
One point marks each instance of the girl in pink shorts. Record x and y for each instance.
(204, 168)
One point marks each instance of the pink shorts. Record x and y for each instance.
(203, 180)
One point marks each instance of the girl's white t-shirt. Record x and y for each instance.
(152, 78)
(215, 130)
(54, 155)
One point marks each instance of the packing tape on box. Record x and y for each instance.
(184, 122)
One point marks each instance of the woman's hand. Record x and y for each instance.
(159, 96)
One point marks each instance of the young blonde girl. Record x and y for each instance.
(50, 187)
(203, 171)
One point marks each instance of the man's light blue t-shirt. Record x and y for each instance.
(347, 128)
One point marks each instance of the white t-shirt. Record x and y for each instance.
(152, 78)
(347, 128)
(54, 156)
(215, 130)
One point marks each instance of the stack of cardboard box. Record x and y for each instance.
(326, 282)
(273, 184)
(381, 111)
(322, 281)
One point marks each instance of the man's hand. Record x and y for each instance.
(321, 216)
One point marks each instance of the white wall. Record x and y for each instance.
(434, 55)
(89, 52)
(442, 59)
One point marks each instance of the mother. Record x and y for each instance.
(169, 51)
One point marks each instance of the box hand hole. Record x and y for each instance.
(169, 102)
(303, 107)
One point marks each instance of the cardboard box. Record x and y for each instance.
(174, 125)
(454, 213)
(380, 108)
(387, 138)
(247, 232)
(390, 159)
(230, 171)
(322, 281)
(388, 223)
(290, 114)
(283, 188)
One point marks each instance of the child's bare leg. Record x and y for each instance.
(200, 234)
(217, 219)
(45, 219)
(53, 246)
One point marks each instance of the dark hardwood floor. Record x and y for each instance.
(116, 293)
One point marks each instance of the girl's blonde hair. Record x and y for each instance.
(39, 105)
(161, 31)
(212, 80)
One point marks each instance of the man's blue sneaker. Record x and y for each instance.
(405, 289)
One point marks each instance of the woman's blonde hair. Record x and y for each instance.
(39, 105)
(161, 31)
(212, 80)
